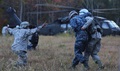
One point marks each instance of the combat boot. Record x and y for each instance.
(72, 67)
(101, 66)
(86, 66)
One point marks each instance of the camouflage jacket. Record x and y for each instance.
(89, 22)
(21, 38)
(76, 23)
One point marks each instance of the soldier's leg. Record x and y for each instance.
(22, 58)
(95, 56)
(78, 49)
(74, 62)
(89, 49)
(80, 57)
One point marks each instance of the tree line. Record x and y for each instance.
(30, 11)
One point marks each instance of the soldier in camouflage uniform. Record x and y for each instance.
(94, 32)
(76, 23)
(20, 43)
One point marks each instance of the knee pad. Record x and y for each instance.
(95, 57)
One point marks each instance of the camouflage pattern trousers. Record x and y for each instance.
(92, 49)
(22, 58)
(79, 47)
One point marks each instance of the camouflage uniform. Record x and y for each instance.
(20, 43)
(94, 44)
(81, 39)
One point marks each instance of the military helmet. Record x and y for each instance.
(24, 24)
(72, 13)
(83, 11)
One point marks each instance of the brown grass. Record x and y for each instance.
(55, 53)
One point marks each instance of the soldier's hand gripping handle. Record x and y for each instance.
(42, 26)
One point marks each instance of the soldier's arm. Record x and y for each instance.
(37, 29)
(73, 23)
(6, 30)
(88, 23)
(42, 26)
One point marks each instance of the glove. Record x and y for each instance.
(4, 30)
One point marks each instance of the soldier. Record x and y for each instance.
(76, 23)
(94, 32)
(19, 46)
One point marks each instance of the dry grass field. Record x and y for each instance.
(55, 53)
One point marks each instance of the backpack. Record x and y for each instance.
(34, 40)
(94, 27)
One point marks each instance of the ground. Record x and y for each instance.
(55, 53)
